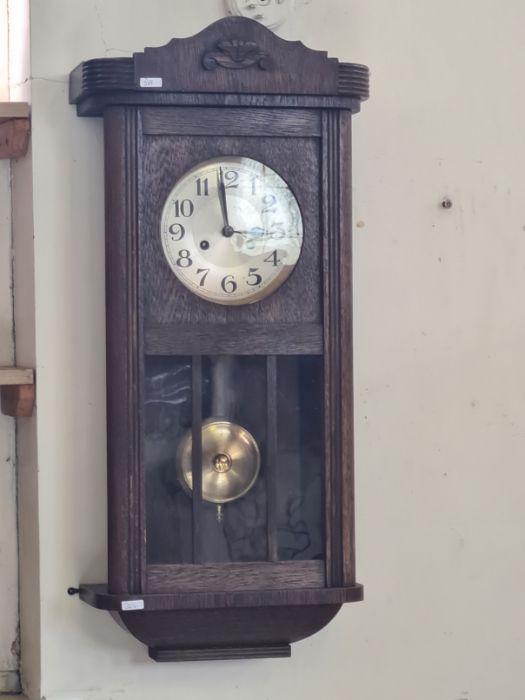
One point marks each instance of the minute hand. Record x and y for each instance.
(221, 189)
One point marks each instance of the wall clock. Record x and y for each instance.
(271, 13)
(229, 340)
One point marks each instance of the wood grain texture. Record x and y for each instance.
(259, 62)
(124, 343)
(346, 368)
(165, 160)
(193, 121)
(232, 57)
(16, 375)
(97, 596)
(337, 259)
(239, 628)
(243, 576)
(14, 138)
(332, 425)
(290, 108)
(13, 110)
(354, 79)
(94, 105)
(234, 338)
(222, 653)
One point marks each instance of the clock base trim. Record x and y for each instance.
(221, 654)
(224, 633)
(213, 626)
(98, 596)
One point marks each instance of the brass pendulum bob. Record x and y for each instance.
(230, 462)
(230, 455)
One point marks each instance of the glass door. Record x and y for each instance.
(233, 461)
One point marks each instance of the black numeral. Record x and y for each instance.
(231, 176)
(228, 284)
(184, 259)
(184, 208)
(269, 201)
(177, 232)
(200, 271)
(257, 279)
(273, 259)
(202, 187)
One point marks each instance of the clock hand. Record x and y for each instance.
(221, 189)
(255, 231)
(263, 233)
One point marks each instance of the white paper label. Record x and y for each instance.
(132, 605)
(151, 82)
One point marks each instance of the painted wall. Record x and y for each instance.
(440, 342)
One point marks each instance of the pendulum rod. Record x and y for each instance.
(223, 391)
(222, 397)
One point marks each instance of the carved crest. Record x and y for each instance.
(236, 54)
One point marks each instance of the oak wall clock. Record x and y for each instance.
(229, 340)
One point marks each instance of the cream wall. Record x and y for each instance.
(440, 341)
(8, 545)
(9, 629)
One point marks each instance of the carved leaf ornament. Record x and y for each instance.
(236, 54)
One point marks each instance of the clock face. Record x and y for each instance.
(271, 13)
(232, 230)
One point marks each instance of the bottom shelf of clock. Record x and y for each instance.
(222, 625)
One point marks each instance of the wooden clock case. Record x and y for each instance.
(234, 88)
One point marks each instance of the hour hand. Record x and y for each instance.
(221, 189)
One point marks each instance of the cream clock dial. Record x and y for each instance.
(271, 13)
(231, 230)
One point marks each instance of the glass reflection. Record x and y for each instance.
(236, 474)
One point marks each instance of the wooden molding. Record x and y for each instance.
(275, 651)
(98, 595)
(15, 128)
(234, 56)
(16, 375)
(17, 391)
(13, 110)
